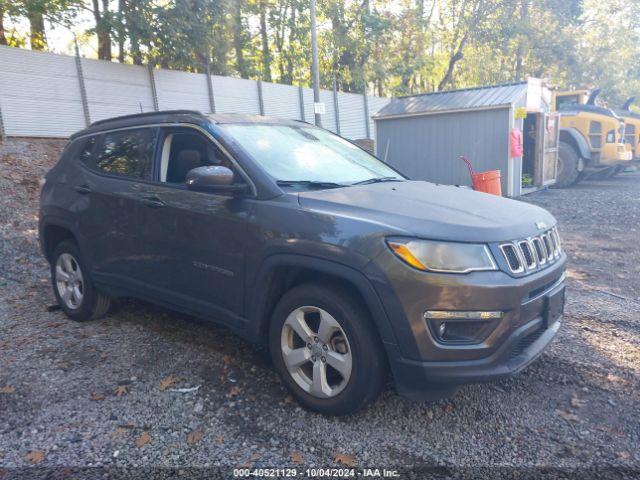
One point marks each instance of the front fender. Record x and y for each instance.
(258, 299)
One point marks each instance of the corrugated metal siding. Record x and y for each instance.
(428, 147)
(455, 100)
(281, 100)
(114, 89)
(352, 122)
(375, 105)
(182, 90)
(39, 94)
(235, 95)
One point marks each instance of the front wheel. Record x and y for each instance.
(569, 166)
(325, 349)
(73, 287)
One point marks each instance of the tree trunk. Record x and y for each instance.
(103, 29)
(36, 32)
(266, 54)
(131, 19)
(238, 43)
(524, 13)
(3, 38)
(121, 29)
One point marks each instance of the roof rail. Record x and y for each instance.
(146, 114)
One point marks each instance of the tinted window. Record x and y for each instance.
(128, 153)
(86, 150)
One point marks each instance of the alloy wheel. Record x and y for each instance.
(69, 281)
(316, 351)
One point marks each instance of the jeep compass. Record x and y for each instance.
(297, 239)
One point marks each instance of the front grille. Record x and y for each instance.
(510, 252)
(532, 254)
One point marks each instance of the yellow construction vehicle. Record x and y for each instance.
(591, 138)
(632, 128)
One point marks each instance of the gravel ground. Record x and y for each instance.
(86, 395)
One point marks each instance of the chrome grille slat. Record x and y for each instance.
(533, 253)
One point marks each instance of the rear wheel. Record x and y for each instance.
(325, 350)
(73, 287)
(569, 166)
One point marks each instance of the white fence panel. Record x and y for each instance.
(235, 95)
(329, 118)
(115, 89)
(375, 105)
(281, 100)
(39, 94)
(182, 90)
(352, 122)
(307, 94)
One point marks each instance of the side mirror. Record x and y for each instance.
(214, 179)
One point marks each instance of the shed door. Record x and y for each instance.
(550, 139)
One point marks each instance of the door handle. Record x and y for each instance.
(153, 202)
(82, 189)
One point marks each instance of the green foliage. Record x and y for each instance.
(399, 47)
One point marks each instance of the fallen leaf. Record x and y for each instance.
(168, 381)
(576, 401)
(235, 391)
(623, 455)
(288, 400)
(7, 389)
(220, 439)
(249, 462)
(346, 460)
(96, 397)
(194, 437)
(572, 417)
(296, 457)
(143, 439)
(121, 391)
(35, 456)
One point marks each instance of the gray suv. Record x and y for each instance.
(298, 239)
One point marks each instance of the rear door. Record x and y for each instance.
(115, 165)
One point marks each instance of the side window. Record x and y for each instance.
(85, 154)
(183, 151)
(128, 153)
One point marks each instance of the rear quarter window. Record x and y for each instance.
(126, 153)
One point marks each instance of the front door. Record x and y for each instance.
(192, 244)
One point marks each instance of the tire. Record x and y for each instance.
(353, 346)
(568, 162)
(83, 302)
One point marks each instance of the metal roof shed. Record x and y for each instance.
(424, 135)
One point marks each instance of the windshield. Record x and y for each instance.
(308, 154)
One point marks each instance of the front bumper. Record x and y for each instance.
(422, 365)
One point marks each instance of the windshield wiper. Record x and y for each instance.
(378, 180)
(310, 183)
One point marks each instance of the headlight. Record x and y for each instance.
(447, 257)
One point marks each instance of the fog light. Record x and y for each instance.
(461, 315)
(442, 329)
(465, 327)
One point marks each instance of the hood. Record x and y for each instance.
(427, 210)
